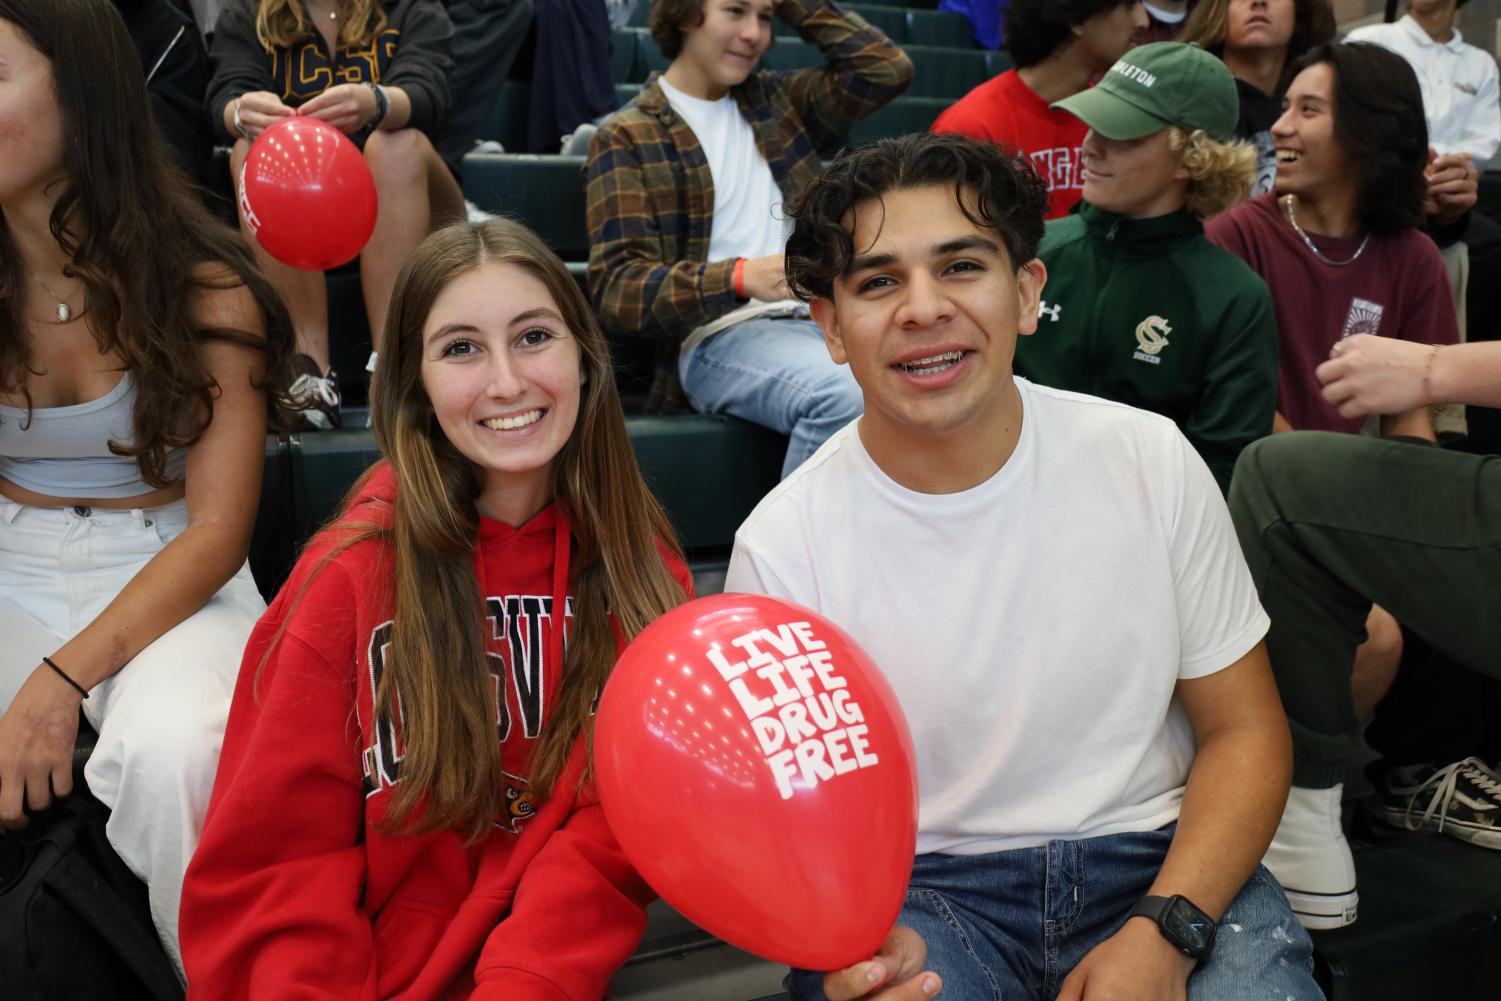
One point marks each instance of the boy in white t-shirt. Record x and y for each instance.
(1052, 585)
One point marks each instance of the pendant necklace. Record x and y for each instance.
(64, 314)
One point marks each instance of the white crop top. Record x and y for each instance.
(64, 451)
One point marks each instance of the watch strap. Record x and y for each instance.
(1150, 907)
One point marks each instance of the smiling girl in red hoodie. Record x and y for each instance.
(403, 806)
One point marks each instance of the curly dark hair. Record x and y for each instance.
(669, 18)
(1035, 29)
(995, 189)
(138, 237)
(1379, 123)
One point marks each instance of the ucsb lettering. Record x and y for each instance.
(518, 627)
(808, 725)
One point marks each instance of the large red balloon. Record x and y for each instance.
(755, 767)
(307, 194)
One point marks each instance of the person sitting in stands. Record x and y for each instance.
(978, 535)
(686, 188)
(1332, 523)
(1259, 40)
(1059, 47)
(1459, 81)
(1337, 245)
(376, 70)
(140, 351)
(404, 807)
(1141, 307)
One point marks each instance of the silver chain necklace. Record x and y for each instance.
(1315, 250)
(64, 314)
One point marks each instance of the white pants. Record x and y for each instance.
(161, 718)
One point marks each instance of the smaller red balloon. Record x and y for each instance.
(307, 195)
(756, 769)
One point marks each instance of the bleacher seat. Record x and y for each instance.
(905, 114)
(544, 192)
(945, 73)
(708, 471)
(938, 27)
(902, 25)
(623, 44)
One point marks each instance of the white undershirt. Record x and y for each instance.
(1033, 627)
(749, 220)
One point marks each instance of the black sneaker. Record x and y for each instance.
(1462, 800)
(316, 395)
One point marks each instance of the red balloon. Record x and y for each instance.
(307, 195)
(758, 772)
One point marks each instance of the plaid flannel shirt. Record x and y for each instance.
(651, 194)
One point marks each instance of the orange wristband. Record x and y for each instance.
(739, 278)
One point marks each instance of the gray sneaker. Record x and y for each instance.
(1462, 800)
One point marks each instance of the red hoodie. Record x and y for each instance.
(294, 893)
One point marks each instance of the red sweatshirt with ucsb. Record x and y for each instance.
(294, 893)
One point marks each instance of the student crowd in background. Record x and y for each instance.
(1194, 276)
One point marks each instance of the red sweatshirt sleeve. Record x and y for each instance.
(271, 903)
(578, 914)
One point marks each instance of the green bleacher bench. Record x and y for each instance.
(623, 42)
(901, 116)
(546, 192)
(708, 471)
(945, 73)
(938, 27)
(902, 25)
(996, 63)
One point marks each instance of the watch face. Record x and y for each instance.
(1192, 927)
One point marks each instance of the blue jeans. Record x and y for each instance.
(1011, 925)
(776, 373)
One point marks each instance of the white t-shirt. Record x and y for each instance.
(749, 220)
(1460, 96)
(1034, 626)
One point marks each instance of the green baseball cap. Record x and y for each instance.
(1155, 86)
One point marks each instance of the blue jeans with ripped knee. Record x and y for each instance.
(1009, 926)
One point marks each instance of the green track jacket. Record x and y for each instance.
(1148, 312)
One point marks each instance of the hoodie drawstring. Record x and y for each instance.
(562, 539)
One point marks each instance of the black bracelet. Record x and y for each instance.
(64, 675)
(382, 107)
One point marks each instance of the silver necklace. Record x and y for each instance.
(1315, 250)
(64, 314)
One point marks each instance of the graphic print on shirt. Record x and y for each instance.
(1061, 168)
(1051, 312)
(519, 626)
(1364, 318)
(1151, 338)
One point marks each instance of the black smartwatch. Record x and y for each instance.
(1189, 929)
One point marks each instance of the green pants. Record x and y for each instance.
(1332, 523)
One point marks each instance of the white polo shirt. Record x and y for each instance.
(1458, 83)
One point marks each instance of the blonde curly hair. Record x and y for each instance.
(1220, 174)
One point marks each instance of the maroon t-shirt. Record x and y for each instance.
(1009, 113)
(1397, 288)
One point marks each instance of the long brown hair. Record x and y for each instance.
(280, 24)
(451, 766)
(1208, 25)
(138, 237)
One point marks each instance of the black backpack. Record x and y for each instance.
(74, 920)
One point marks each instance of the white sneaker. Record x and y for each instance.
(1311, 859)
